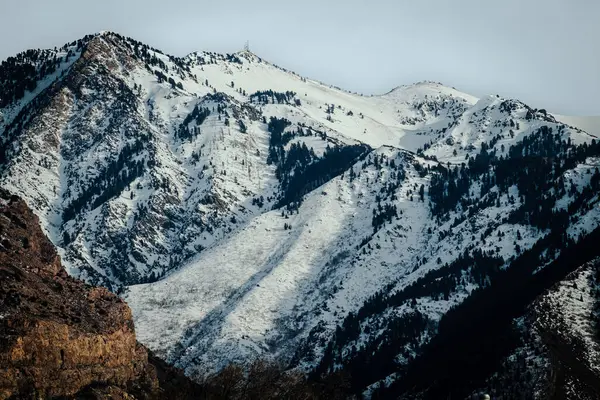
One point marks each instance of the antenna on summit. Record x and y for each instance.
(247, 46)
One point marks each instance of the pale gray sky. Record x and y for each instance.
(546, 53)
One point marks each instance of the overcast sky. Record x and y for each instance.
(546, 53)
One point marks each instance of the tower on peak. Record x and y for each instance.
(247, 46)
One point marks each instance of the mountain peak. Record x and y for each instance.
(423, 89)
(420, 84)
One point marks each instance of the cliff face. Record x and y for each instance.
(59, 336)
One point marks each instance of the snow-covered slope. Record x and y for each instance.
(255, 212)
(558, 355)
(566, 318)
(274, 283)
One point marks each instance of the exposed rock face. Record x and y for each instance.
(59, 336)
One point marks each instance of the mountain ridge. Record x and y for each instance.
(252, 212)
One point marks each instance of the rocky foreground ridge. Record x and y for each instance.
(60, 337)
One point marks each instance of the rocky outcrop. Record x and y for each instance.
(60, 337)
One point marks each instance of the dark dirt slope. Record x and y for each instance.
(62, 338)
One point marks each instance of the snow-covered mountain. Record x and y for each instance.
(253, 212)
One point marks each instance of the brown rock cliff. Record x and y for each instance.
(62, 338)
